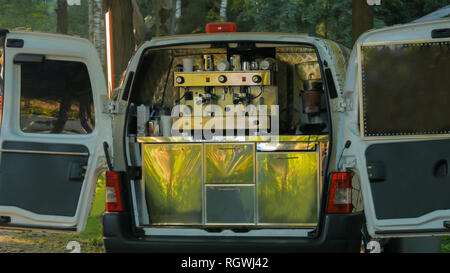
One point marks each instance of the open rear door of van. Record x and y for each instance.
(52, 132)
(400, 133)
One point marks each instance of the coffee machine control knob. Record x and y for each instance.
(222, 79)
(257, 79)
(180, 80)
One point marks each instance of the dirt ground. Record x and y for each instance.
(21, 241)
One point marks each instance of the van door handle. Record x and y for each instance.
(77, 171)
(17, 43)
(441, 168)
(447, 224)
(440, 33)
(376, 171)
(5, 219)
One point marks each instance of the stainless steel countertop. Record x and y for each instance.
(161, 139)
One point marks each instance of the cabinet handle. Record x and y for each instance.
(228, 189)
(236, 149)
(172, 149)
(286, 158)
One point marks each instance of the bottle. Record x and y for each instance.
(143, 113)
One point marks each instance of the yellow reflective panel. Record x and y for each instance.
(173, 180)
(287, 188)
(229, 163)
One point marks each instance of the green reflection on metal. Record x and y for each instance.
(229, 163)
(287, 188)
(276, 139)
(173, 179)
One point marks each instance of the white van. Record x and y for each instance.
(322, 147)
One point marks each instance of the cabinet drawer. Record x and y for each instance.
(230, 205)
(173, 183)
(229, 163)
(287, 186)
(285, 146)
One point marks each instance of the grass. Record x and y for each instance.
(445, 248)
(92, 235)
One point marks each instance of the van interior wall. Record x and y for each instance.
(154, 84)
(155, 87)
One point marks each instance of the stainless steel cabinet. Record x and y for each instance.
(227, 205)
(287, 186)
(229, 163)
(173, 180)
(262, 184)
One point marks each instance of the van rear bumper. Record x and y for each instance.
(341, 233)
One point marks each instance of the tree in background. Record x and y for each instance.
(97, 27)
(79, 19)
(362, 18)
(31, 14)
(62, 23)
(325, 18)
(164, 17)
(123, 40)
(393, 12)
(223, 9)
(331, 19)
(196, 14)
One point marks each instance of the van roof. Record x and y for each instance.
(262, 37)
(227, 34)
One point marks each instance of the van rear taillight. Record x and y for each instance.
(340, 199)
(113, 198)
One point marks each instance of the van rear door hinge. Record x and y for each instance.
(111, 108)
(343, 105)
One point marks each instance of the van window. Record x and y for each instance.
(405, 89)
(56, 98)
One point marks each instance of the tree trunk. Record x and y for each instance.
(223, 9)
(96, 27)
(123, 41)
(141, 31)
(164, 13)
(178, 9)
(362, 18)
(176, 18)
(62, 18)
